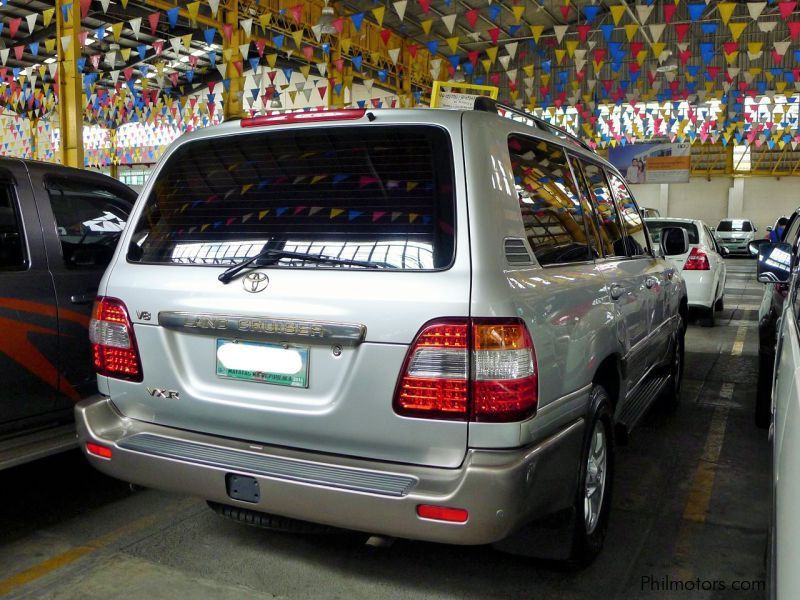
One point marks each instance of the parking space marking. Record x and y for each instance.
(699, 498)
(68, 557)
(738, 344)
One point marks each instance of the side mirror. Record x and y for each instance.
(769, 228)
(674, 241)
(774, 262)
(724, 251)
(755, 246)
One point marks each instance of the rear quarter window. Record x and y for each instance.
(378, 194)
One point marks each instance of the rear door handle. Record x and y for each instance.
(650, 282)
(616, 291)
(81, 298)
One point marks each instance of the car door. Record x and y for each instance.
(716, 260)
(625, 276)
(85, 215)
(29, 368)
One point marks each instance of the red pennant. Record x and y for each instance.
(636, 47)
(193, 60)
(494, 78)
(238, 66)
(786, 8)
(685, 55)
(473, 57)
(297, 12)
(494, 33)
(227, 31)
(426, 5)
(712, 72)
(174, 78)
(338, 24)
(794, 29)
(271, 75)
(260, 45)
(579, 75)
(95, 60)
(18, 52)
(385, 35)
(472, 17)
(599, 53)
(681, 29)
(669, 11)
(322, 89)
(730, 47)
(777, 57)
(158, 46)
(82, 38)
(608, 84)
(13, 26)
(128, 73)
(583, 31)
(339, 64)
(565, 11)
(308, 52)
(412, 50)
(85, 4)
(154, 19)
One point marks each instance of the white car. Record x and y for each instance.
(736, 234)
(702, 267)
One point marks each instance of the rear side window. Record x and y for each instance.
(12, 248)
(89, 221)
(635, 233)
(655, 227)
(611, 232)
(549, 201)
(382, 195)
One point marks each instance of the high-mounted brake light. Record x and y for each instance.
(469, 369)
(697, 261)
(344, 114)
(114, 349)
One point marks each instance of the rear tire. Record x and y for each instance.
(672, 393)
(710, 318)
(720, 304)
(593, 496)
(267, 521)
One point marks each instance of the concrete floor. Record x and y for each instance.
(691, 504)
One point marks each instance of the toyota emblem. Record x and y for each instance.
(255, 282)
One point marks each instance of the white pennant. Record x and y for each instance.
(511, 48)
(767, 26)
(176, 44)
(755, 9)
(733, 72)
(222, 68)
(52, 67)
(214, 6)
(111, 58)
(322, 68)
(368, 83)
(394, 54)
(512, 74)
(755, 55)
(643, 11)
(244, 50)
(449, 22)
(560, 30)
(247, 26)
(136, 25)
(400, 8)
(114, 76)
(504, 61)
(317, 31)
(31, 19)
(656, 30)
(66, 41)
(781, 47)
(105, 4)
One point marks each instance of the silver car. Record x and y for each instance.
(735, 234)
(421, 324)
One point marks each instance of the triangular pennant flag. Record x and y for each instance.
(617, 10)
(449, 22)
(755, 9)
(400, 8)
(736, 28)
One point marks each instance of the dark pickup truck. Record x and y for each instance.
(58, 230)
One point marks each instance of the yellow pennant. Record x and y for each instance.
(528, 70)
(47, 16)
(731, 58)
(345, 45)
(560, 55)
(518, 11)
(630, 30)
(297, 36)
(271, 60)
(754, 47)
(426, 25)
(335, 212)
(617, 11)
(487, 64)
(491, 52)
(379, 12)
(571, 47)
(452, 43)
(725, 11)
(306, 71)
(658, 48)
(536, 32)
(737, 28)
(264, 20)
(193, 8)
(641, 57)
(50, 45)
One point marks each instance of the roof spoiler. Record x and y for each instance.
(486, 104)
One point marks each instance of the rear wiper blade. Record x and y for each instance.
(234, 270)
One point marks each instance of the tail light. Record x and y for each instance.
(469, 369)
(114, 349)
(697, 261)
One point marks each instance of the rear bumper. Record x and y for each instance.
(501, 489)
(700, 288)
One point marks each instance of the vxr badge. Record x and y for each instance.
(255, 282)
(166, 394)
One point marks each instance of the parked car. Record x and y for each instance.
(702, 267)
(58, 229)
(649, 212)
(735, 234)
(769, 313)
(363, 319)
(777, 263)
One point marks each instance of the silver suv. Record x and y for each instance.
(422, 324)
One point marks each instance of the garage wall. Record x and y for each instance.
(763, 199)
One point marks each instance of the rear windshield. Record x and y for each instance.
(382, 195)
(655, 227)
(735, 225)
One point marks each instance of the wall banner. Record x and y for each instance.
(652, 163)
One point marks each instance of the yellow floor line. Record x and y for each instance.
(59, 561)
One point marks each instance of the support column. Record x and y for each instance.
(70, 83)
(233, 107)
(736, 198)
(663, 199)
(113, 167)
(33, 123)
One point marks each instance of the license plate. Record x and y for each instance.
(262, 362)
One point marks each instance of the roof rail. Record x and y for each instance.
(486, 104)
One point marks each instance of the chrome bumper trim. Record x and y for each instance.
(386, 484)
